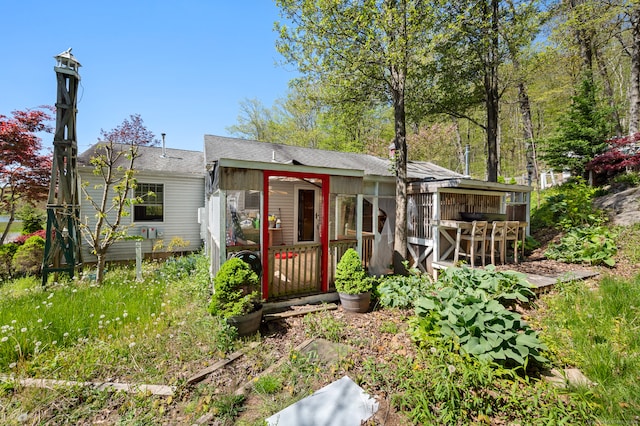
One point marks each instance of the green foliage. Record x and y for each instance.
(400, 291)
(628, 179)
(567, 206)
(268, 384)
(351, 278)
(28, 258)
(325, 326)
(7, 251)
(465, 308)
(582, 132)
(599, 335)
(594, 245)
(32, 219)
(235, 289)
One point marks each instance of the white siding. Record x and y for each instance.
(182, 198)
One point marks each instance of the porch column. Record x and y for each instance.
(359, 214)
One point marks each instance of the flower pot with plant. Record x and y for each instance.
(236, 297)
(352, 283)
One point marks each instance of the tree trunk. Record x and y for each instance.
(634, 75)
(460, 150)
(100, 267)
(6, 230)
(608, 92)
(527, 133)
(492, 97)
(400, 239)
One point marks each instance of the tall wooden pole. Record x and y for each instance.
(62, 246)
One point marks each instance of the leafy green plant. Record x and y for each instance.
(351, 278)
(28, 257)
(400, 291)
(594, 245)
(507, 287)
(235, 289)
(32, 219)
(7, 251)
(464, 307)
(268, 384)
(324, 325)
(568, 206)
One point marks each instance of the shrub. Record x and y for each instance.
(465, 308)
(23, 238)
(399, 291)
(7, 251)
(351, 278)
(32, 219)
(235, 289)
(593, 245)
(28, 257)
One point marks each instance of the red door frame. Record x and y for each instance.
(324, 227)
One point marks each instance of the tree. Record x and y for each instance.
(113, 164)
(362, 51)
(472, 48)
(254, 121)
(24, 171)
(581, 134)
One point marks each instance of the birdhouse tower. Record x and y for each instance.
(62, 247)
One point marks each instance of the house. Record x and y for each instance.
(176, 179)
(293, 211)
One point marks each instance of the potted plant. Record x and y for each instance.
(352, 283)
(236, 297)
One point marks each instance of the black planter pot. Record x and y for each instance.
(355, 302)
(247, 324)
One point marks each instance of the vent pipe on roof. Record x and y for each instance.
(467, 153)
(164, 152)
(273, 156)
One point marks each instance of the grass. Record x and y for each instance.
(600, 334)
(158, 330)
(15, 227)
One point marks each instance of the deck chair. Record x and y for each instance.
(511, 233)
(497, 240)
(475, 239)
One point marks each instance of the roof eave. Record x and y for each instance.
(260, 165)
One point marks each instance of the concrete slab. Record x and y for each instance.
(341, 403)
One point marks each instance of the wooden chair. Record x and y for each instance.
(511, 233)
(474, 239)
(497, 240)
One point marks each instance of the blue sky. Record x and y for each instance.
(184, 66)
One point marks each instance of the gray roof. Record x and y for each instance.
(151, 159)
(219, 147)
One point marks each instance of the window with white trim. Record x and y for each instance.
(150, 207)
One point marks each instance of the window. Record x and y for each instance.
(151, 207)
(252, 200)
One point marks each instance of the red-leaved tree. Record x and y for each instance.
(24, 172)
(621, 154)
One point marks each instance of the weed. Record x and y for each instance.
(324, 325)
(227, 407)
(267, 385)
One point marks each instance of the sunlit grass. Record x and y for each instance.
(599, 331)
(124, 328)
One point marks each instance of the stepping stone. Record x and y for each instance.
(341, 403)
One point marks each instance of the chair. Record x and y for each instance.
(497, 240)
(474, 239)
(511, 233)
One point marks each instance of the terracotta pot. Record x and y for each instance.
(246, 324)
(355, 302)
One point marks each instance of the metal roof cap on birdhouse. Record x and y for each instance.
(67, 63)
